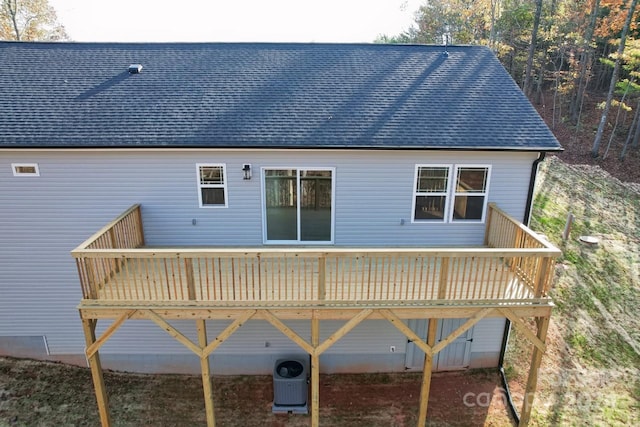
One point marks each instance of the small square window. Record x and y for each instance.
(25, 169)
(212, 185)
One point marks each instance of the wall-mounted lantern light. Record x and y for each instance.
(246, 168)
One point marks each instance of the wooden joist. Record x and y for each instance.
(201, 311)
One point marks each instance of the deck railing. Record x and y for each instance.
(517, 266)
(503, 231)
(124, 232)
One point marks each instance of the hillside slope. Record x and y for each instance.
(591, 372)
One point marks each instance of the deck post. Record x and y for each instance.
(92, 284)
(532, 382)
(315, 370)
(138, 226)
(444, 278)
(322, 269)
(543, 276)
(426, 374)
(191, 285)
(487, 230)
(89, 327)
(206, 373)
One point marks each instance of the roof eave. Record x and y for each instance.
(285, 147)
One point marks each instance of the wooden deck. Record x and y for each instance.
(121, 279)
(115, 268)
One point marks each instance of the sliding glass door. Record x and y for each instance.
(298, 205)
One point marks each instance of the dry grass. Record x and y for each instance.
(590, 374)
(52, 394)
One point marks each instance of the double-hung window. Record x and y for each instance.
(432, 187)
(470, 193)
(450, 193)
(212, 185)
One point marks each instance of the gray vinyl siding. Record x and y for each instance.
(487, 335)
(255, 336)
(43, 218)
(487, 343)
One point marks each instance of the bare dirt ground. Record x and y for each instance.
(34, 393)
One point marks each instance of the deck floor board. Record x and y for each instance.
(273, 281)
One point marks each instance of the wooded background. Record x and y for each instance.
(575, 51)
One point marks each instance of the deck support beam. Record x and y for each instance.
(523, 329)
(151, 315)
(206, 373)
(315, 370)
(402, 327)
(93, 348)
(195, 310)
(288, 332)
(89, 327)
(426, 373)
(532, 382)
(314, 347)
(229, 330)
(344, 330)
(461, 330)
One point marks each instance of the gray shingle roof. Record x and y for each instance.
(262, 95)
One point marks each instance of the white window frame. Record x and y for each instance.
(298, 188)
(455, 193)
(451, 193)
(223, 185)
(446, 194)
(15, 166)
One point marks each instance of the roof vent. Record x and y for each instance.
(135, 68)
(446, 39)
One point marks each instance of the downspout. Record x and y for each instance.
(532, 185)
(503, 376)
(507, 326)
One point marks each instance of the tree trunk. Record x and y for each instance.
(12, 10)
(555, 91)
(538, 93)
(585, 61)
(614, 80)
(636, 137)
(615, 126)
(601, 70)
(633, 132)
(526, 87)
(492, 32)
